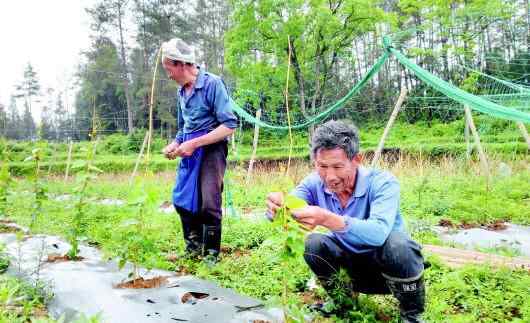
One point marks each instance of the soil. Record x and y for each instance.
(165, 205)
(383, 317)
(234, 252)
(498, 225)
(191, 297)
(309, 297)
(8, 228)
(55, 257)
(466, 225)
(140, 283)
(446, 223)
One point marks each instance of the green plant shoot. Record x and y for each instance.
(38, 187)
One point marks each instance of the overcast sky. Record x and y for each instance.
(48, 34)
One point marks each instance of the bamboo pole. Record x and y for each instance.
(133, 175)
(68, 160)
(287, 106)
(389, 124)
(482, 155)
(254, 145)
(150, 132)
(524, 132)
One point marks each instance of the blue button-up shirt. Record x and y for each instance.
(371, 213)
(206, 107)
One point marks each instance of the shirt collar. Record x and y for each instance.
(201, 78)
(361, 182)
(199, 82)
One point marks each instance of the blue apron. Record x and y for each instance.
(187, 191)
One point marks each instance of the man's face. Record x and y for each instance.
(336, 170)
(176, 72)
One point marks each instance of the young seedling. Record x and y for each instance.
(38, 187)
(292, 236)
(5, 180)
(87, 173)
(135, 246)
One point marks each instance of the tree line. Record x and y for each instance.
(326, 45)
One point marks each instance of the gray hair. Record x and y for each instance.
(336, 134)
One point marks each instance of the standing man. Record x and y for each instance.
(205, 120)
(367, 235)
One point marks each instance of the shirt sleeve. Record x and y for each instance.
(374, 230)
(180, 123)
(222, 104)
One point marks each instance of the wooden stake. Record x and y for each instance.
(254, 145)
(68, 160)
(469, 147)
(53, 159)
(139, 157)
(482, 155)
(389, 124)
(522, 127)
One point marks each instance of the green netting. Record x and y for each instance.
(321, 116)
(500, 98)
(474, 102)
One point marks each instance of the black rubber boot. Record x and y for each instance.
(211, 246)
(192, 232)
(411, 296)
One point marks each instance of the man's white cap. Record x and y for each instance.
(176, 49)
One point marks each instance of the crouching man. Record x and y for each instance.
(360, 207)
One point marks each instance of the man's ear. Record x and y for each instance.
(358, 158)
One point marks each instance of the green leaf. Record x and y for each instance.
(122, 263)
(94, 168)
(79, 164)
(293, 202)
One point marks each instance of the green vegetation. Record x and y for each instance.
(117, 153)
(432, 190)
(38, 189)
(136, 247)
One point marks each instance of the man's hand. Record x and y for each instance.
(274, 202)
(310, 216)
(170, 150)
(186, 148)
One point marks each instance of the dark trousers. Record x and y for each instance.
(398, 258)
(211, 176)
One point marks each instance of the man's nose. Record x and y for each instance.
(331, 174)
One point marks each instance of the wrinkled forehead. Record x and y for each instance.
(331, 155)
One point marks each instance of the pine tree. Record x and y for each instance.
(3, 120)
(29, 91)
(14, 123)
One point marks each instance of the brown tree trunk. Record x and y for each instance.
(125, 74)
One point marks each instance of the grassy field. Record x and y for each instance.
(432, 189)
(117, 153)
